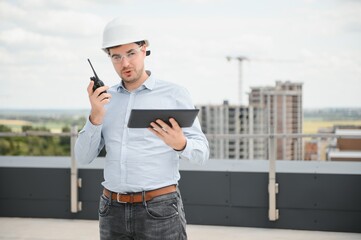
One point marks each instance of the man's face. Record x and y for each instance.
(128, 62)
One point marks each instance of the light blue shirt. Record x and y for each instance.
(136, 159)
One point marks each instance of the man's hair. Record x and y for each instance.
(140, 43)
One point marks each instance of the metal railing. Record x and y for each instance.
(273, 187)
(75, 181)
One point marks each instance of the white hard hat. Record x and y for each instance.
(116, 33)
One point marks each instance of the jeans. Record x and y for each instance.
(160, 218)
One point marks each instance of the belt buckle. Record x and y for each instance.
(118, 198)
(131, 198)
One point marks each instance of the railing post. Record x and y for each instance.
(273, 213)
(75, 182)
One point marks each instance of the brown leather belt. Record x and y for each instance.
(138, 197)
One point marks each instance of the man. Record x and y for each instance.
(141, 199)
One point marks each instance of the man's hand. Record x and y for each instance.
(172, 135)
(97, 100)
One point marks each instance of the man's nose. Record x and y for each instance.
(124, 61)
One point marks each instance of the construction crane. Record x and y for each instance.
(240, 60)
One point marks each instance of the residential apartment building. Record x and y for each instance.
(228, 120)
(271, 110)
(282, 114)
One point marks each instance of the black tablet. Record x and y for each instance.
(141, 118)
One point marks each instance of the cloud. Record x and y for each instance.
(44, 46)
(46, 17)
(46, 32)
(18, 37)
(69, 23)
(9, 12)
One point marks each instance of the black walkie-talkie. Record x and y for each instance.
(97, 82)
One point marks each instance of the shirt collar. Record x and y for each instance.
(148, 84)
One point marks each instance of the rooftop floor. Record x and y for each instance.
(65, 229)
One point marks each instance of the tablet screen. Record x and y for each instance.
(141, 118)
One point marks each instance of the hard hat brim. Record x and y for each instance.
(106, 46)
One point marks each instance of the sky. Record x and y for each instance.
(44, 46)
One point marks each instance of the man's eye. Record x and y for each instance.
(131, 54)
(116, 57)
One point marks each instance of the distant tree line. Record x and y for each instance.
(333, 113)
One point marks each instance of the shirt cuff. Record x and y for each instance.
(186, 151)
(90, 128)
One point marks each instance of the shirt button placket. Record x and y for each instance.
(126, 136)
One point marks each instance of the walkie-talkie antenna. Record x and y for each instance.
(93, 69)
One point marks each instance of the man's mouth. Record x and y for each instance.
(127, 72)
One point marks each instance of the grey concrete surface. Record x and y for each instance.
(65, 229)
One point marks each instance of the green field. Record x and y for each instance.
(312, 126)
